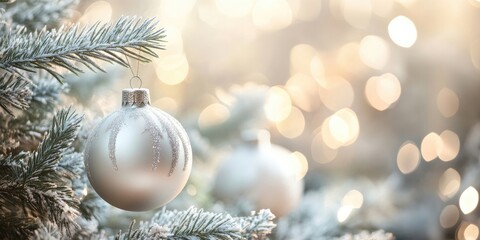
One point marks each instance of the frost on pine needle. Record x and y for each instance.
(63, 47)
(32, 188)
(35, 14)
(198, 224)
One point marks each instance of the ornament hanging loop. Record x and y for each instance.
(135, 76)
(139, 79)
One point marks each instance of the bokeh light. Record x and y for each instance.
(449, 184)
(374, 51)
(471, 232)
(213, 114)
(337, 93)
(431, 147)
(408, 157)
(278, 105)
(301, 55)
(340, 129)
(234, 8)
(357, 12)
(293, 125)
(450, 145)
(167, 104)
(402, 31)
(306, 10)
(301, 164)
(353, 198)
(98, 11)
(320, 151)
(172, 69)
(383, 91)
(343, 213)
(449, 216)
(468, 200)
(303, 91)
(447, 102)
(272, 15)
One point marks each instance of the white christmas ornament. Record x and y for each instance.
(263, 174)
(139, 157)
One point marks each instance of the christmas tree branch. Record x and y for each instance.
(36, 14)
(25, 132)
(197, 224)
(42, 165)
(31, 185)
(49, 49)
(14, 93)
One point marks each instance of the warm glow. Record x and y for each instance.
(382, 8)
(374, 52)
(173, 41)
(340, 129)
(408, 158)
(98, 11)
(449, 216)
(191, 190)
(432, 145)
(357, 12)
(402, 31)
(343, 213)
(301, 56)
(172, 69)
(271, 15)
(215, 113)
(278, 105)
(293, 125)
(353, 199)
(337, 93)
(175, 12)
(347, 58)
(471, 232)
(303, 91)
(451, 145)
(320, 152)
(468, 200)
(167, 104)
(234, 8)
(406, 3)
(447, 102)
(317, 69)
(306, 10)
(383, 91)
(449, 183)
(301, 165)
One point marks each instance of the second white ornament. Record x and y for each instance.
(262, 173)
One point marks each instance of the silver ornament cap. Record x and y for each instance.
(135, 97)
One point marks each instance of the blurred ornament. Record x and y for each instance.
(261, 173)
(139, 157)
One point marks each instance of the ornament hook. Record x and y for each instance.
(135, 76)
(139, 79)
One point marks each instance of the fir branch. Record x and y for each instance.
(33, 186)
(24, 132)
(36, 14)
(42, 166)
(259, 225)
(49, 49)
(197, 224)
(14, 93)
(23, 202)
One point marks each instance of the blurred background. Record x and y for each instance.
(374, 104)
